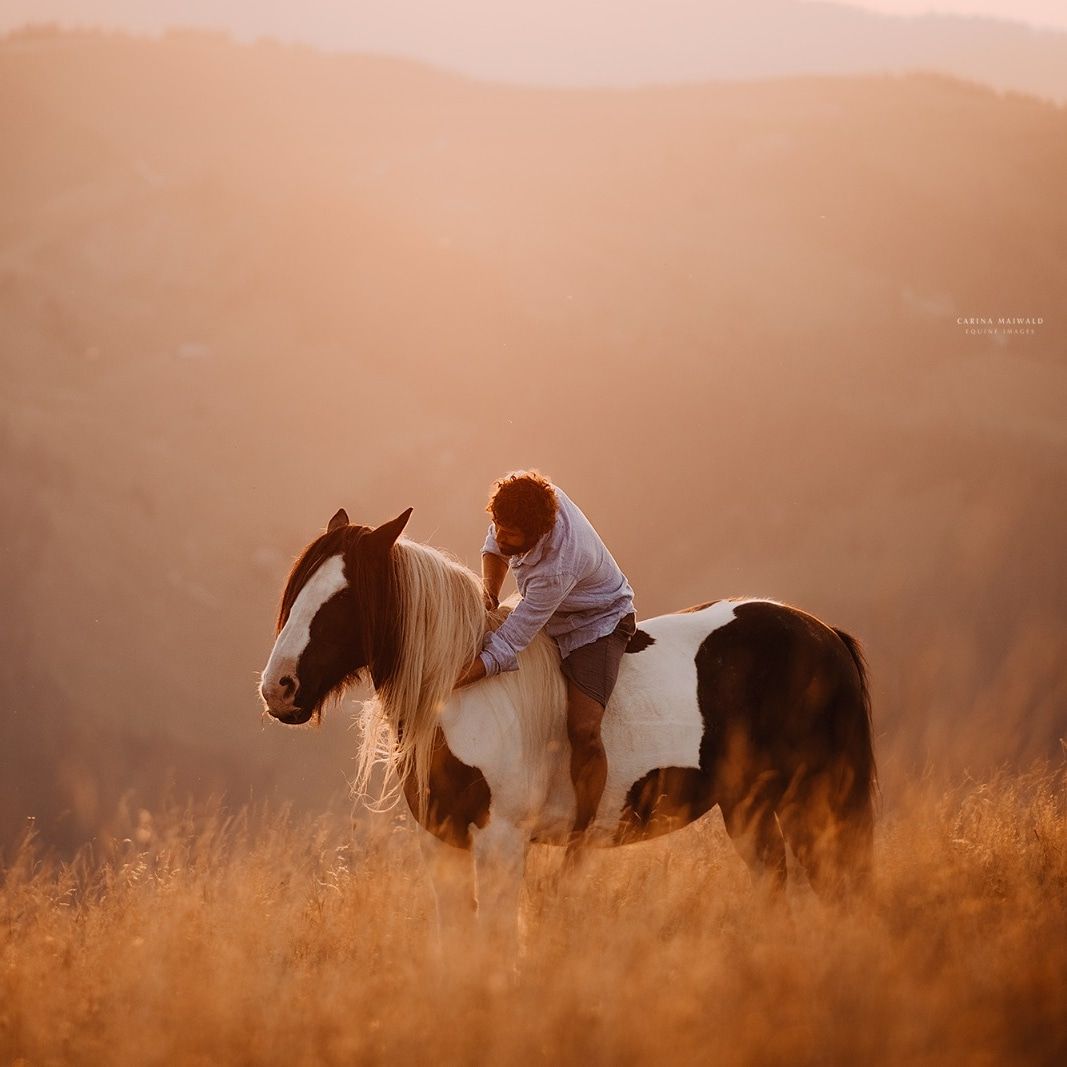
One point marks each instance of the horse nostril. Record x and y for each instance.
(287, 684)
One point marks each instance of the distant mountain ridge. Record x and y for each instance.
(634, 42)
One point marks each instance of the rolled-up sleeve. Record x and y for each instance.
(490, 544)
(501, 647)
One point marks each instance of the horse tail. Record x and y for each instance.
(864, 736)
(856, 739)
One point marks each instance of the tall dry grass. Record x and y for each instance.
(207, 937)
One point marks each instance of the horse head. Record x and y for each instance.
(336, 618)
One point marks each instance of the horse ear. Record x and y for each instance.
(340, 519)
(382, 537)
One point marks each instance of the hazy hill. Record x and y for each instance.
(629, 42)
(243, 286)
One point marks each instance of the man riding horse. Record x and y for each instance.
(572, 588)
(744, 704)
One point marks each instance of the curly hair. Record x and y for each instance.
(525, 500)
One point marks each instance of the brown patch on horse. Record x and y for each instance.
(663, 800)
(459, 796)
(786, 710)
(639, 641)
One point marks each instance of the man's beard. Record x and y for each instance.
(509, 550)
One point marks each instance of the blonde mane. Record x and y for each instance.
(442, 623)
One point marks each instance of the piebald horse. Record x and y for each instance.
(747, 704)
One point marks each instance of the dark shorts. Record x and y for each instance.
(594, 667)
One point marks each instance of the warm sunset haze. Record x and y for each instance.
(242, 286)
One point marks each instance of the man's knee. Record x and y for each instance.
(583, 725)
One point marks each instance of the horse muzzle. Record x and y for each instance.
(277, 699)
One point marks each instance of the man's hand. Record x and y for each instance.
(475, 671)
(491, 602)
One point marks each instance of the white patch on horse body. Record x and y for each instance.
(328, 579)
(512, 727)
(520, 744)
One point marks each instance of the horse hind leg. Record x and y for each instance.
(753, 828)
(828, 822)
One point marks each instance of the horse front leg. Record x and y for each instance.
(450, 869)
(500, 865)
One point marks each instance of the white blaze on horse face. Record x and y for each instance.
(328, 579)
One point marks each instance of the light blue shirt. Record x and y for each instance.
(571, 587)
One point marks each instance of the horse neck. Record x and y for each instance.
(434, 630)
(439, 623)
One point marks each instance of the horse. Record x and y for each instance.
(743, 703)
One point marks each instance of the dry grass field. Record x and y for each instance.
(206, 936)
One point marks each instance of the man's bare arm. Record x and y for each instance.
(494, 570)
(475, 671)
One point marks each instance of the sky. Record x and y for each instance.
(332, 13)
(1043, 13)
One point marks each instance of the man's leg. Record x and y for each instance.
(597, 665)
(589, 763)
